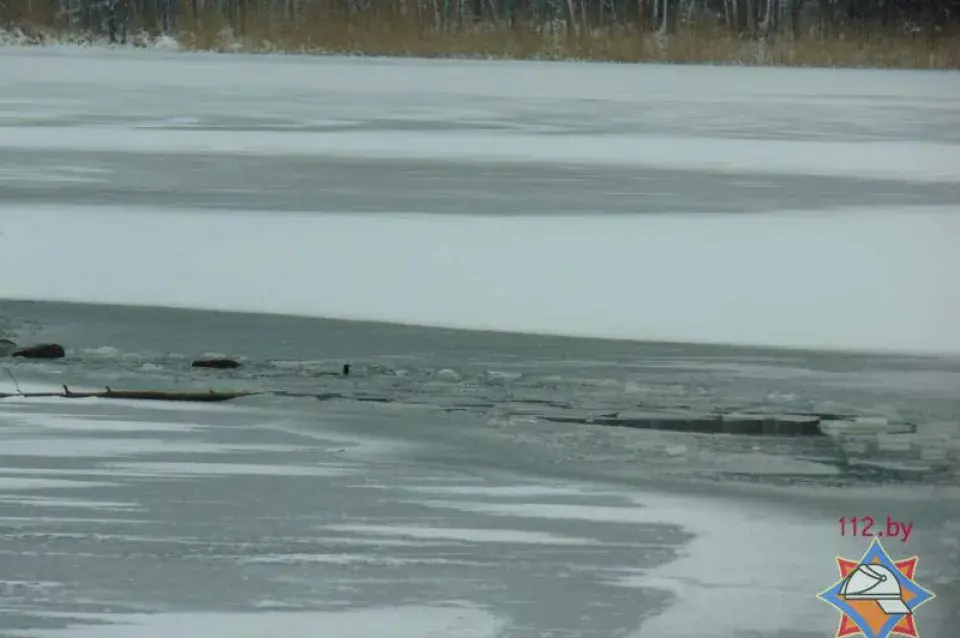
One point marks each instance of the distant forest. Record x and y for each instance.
(118, 19)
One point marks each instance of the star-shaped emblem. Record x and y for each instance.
(861, 611)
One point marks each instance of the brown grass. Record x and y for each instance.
(401, 37)
(320, 31)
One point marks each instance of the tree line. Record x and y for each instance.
(117, 19)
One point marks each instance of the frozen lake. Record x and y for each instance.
(461, 483)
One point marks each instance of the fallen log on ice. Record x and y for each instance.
(211, 396)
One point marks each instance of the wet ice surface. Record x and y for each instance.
(299, 184)
(303, 517)
(265, 532)
(461, 483)
(535, 390)
(448, 504)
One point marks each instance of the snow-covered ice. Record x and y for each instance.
(794, 278)
(807, 277)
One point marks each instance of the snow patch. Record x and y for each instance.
(224, 469)
(166, 43)
(468, 535)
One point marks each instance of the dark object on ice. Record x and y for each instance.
(344, 372)
(42, 351)
(146, 395)
(219, 364)
(786, 425)
(326, 396)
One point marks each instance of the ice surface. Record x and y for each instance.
(923, 162)
(507, 491)
(366, 559)
(466, 535)
(225, 469)
(67, 448)
(142, 408)
(532, 554)
(722, 569)
(792, 279)
(403, 622)
(23, 483)
(468, 90)
(45, 501)
(50, 178)
(74, 422)
(382, 541)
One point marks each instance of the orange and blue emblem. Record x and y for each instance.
(877, 596)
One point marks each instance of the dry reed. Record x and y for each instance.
(321, 31)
